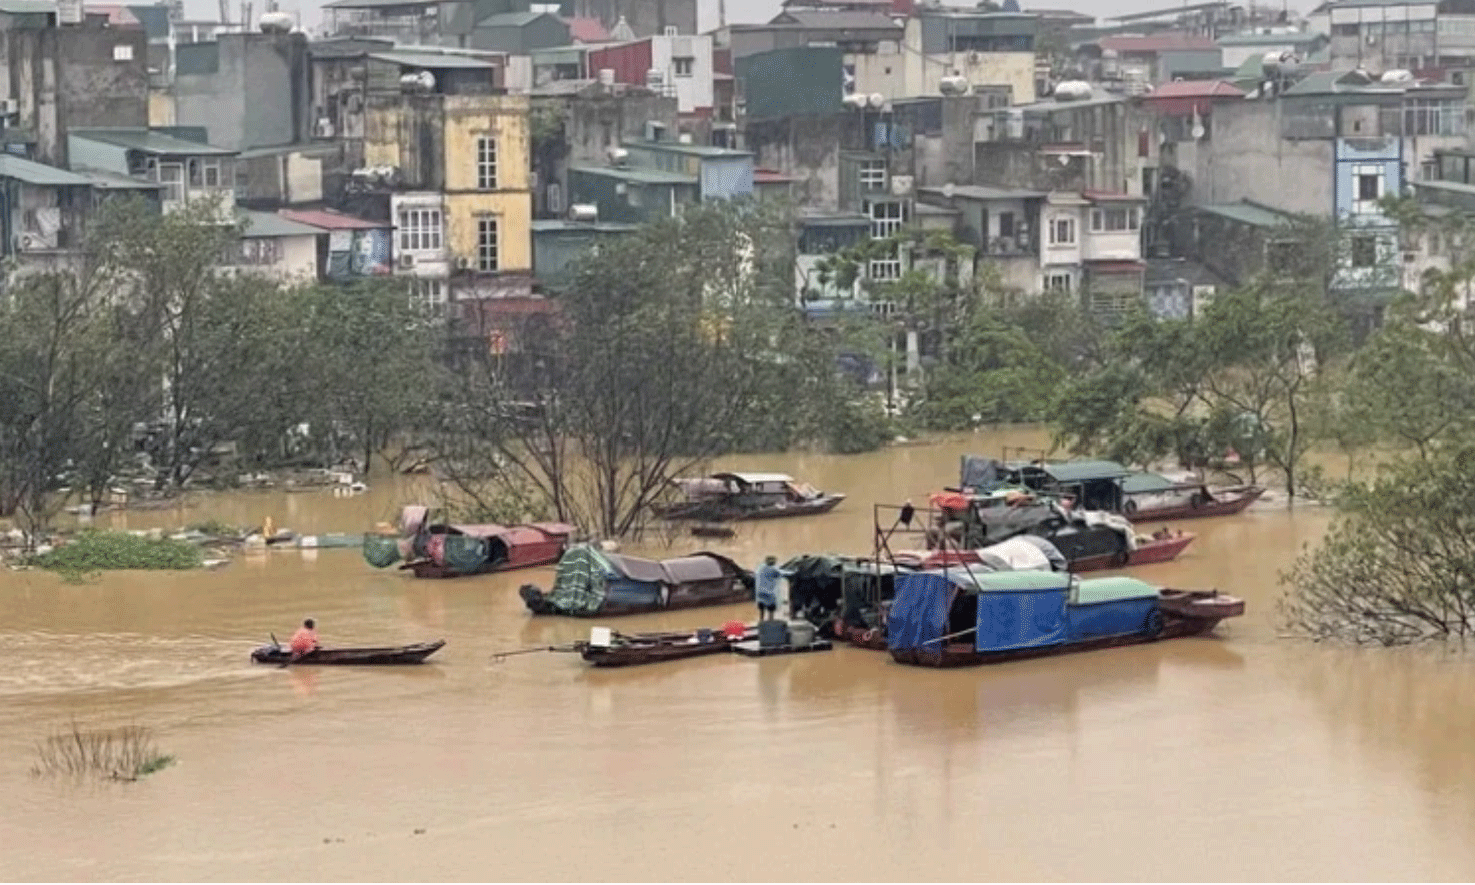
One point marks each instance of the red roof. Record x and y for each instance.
(1195, 89)
(586, 30)
(1156, 43)
(327, 219)
(771, 176)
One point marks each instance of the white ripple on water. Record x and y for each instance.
(43, 663)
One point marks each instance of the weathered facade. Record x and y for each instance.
(248, 90)
(68, 77)
(1103, 143)
(985, 49)
(43, 213)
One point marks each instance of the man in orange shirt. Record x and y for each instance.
(305, 640)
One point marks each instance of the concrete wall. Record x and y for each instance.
(1248, 160)
(75, 77)
(259, 94)
(506, 118)
(807, 147)
(907, 71)
(694, 91)
(295, 258)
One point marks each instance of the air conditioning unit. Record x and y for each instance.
(406, 261)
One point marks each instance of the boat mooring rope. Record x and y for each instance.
(501, 656)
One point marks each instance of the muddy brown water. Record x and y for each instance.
(1243, 756)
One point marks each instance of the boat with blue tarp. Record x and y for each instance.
(958, 618)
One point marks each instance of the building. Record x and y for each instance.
(247, 90)
(1383, 35)
(450, 156)
(1138, 61)
(1236, 49)
(43, 213)
(185, 170)
(415, 22)
(558, 244)
(1004, 227)
(354, 248)
(627, 194)
(643, 18)
(517, 33)
(278, 247)
(60, 78)
(980, 50)
(678, 65)
(580, 122)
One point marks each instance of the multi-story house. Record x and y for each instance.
(452, 158)
(184, 170)
(43, 213)
(671, 64)
(655, 177)
(966, 49)
(1383, 35)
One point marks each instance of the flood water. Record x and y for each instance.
(1246, 756)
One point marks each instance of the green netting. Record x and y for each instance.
(464, 553)
(381, 551)
(579, 581)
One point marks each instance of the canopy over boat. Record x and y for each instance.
(587, 576)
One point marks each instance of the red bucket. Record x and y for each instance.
(735, 629)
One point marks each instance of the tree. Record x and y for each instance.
(671, 344)
(1398, 564)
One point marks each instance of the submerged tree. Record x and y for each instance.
(671, 346)
(1398, 564)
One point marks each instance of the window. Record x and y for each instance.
(486, 163)
(1006, 225)
(419, 229)
(1057, 282)
(1369, 186)
(1367, 189)
(873, 175)
(122, 52)
(1364, 251)
(1115, 220)
(886, 221)
(204, 173)
(487, 259)
(171, 175)
(1062, 231)
(431, 294)
(683, 66)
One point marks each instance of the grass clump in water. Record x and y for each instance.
(113, 551)
(121, 754)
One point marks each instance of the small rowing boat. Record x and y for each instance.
(349, 657)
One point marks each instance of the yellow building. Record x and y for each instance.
(462, 195)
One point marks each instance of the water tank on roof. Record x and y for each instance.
(421, 81)
(854, 100)
(1279, 62)
(606, 76)
(1073, 90)
(1397, 76)
(276, 23)
(953, 85)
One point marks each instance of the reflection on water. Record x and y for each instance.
(1239, 756)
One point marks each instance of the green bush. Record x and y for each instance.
(113, 551)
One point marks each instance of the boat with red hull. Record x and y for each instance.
(1149, 552)
(456, 550)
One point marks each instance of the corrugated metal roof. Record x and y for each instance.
(27, 7)
(511, 19)
(553, 225)
(41, 174)
(330, 220)
(411, 59)
(983, 192)
(370, 4)
(151, 142)
(112, 181)
(700, 150)
(1247, 213)
(1194, 89)
(639, 176)
(1080, 471)
(1143, 483)
(1157, 43)
(269, 224)
(1296, 39)
(839, 20)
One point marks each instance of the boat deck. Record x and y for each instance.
(753, 649)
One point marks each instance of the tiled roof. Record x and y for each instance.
(587, 30)
(1195, 89)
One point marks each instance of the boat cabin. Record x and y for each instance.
(748, 489)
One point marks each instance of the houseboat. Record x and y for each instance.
(1140, 495)
(728, 497)
(957, 618)
(592, 583)
(453, 550)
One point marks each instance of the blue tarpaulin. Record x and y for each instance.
(919, 610)
(1023, 619)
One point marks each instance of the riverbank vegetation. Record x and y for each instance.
(98, 551)
(120, 754)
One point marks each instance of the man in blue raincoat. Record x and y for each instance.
(766, 584)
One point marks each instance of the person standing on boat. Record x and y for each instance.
(305, 640)
(766, 584)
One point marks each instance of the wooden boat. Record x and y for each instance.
(1141, 495)
(727, 497)
(349, 657)
(951, 618)
(614, 649)
(446, 550)
(962, 524)
(591, 583)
